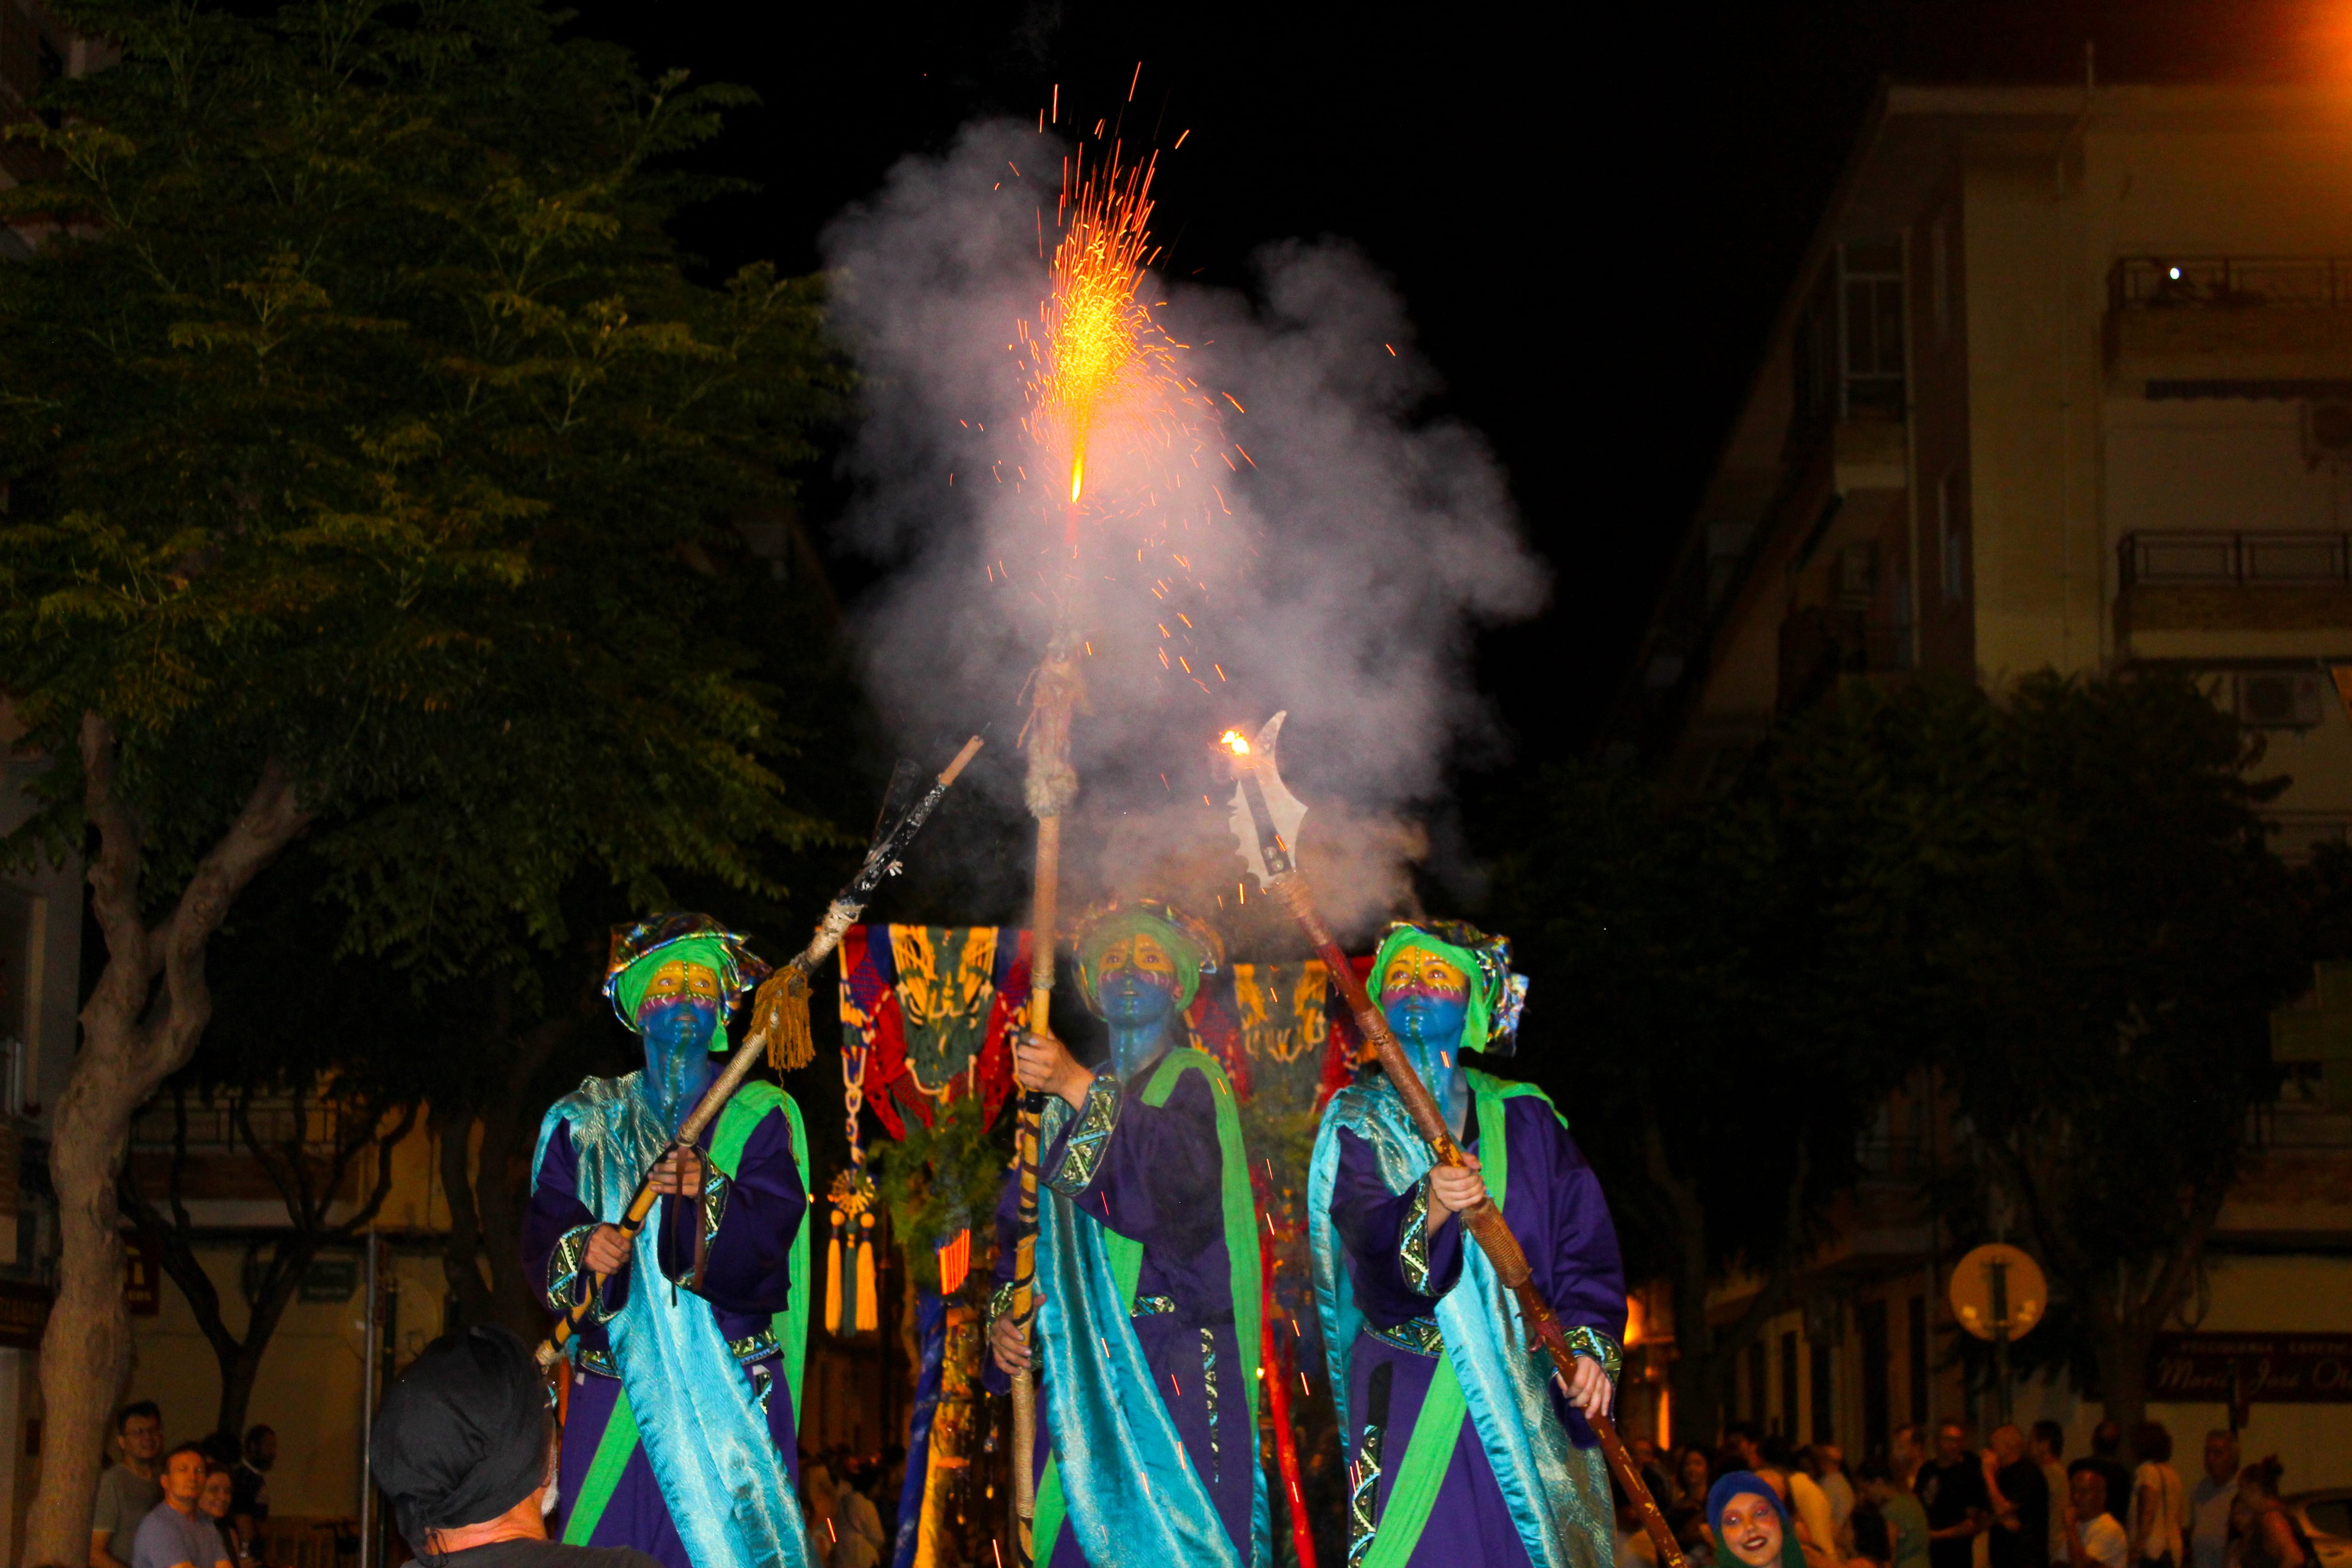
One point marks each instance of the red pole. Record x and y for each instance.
(1278, 1385)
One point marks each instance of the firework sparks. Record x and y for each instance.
(1101, 359)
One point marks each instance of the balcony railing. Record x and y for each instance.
(2228, 282)
(2279, 558)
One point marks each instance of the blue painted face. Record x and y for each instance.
(1135, 986)
(1427, 1000)
(678, 1012)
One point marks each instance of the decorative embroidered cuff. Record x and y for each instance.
(566, 1273)
(1089, 1141)
(1599, 1346)
(1412, 1241)
(715, 1188)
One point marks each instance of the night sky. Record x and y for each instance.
(1593, 214)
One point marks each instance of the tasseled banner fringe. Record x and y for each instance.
(955, 1261)
(851, 1303)
(780, 1016)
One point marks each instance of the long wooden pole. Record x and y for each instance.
(1485, 1220)
(1052, 784)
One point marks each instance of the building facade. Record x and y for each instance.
(2064, 382)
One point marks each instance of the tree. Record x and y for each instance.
(316, 1065)
(1705, 1018)
(2111, 978)
(369, 460)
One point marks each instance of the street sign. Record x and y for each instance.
(1998, 1292)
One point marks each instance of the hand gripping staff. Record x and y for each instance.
(1265, 820)
(781, 1009)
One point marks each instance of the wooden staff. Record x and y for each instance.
(1052, 784)
(1280, 876)
(783, 1000)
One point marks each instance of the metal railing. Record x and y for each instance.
(2228, 282)
(2276, 558)
(212, 1128)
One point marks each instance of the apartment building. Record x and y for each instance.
(2064, 380)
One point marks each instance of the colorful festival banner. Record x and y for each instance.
(930, 1007)
(1279, 1030)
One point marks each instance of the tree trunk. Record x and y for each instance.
(2122, 1349)
(132, 1038)
(461, 1248)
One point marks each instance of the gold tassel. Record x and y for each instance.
(833, 1279)
(868, 1318)
(780, 1016)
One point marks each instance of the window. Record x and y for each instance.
(1872, 329)
(1822, 1429)
(1952, 538)
(1918, 1358)
(1877, 1416)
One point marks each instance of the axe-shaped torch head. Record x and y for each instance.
(1266, 816)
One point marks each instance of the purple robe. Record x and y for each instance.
(1554, 1209)
(746, 1279)
(1160, 1181)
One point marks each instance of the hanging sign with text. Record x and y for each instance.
(2238, 1369)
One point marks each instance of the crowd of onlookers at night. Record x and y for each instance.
(2017, 1499)
(198, 1505)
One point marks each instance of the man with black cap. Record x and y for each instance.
(465, 1451)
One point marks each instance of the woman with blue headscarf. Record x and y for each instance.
(681, 1437)
(1749, 1525)
(1461, 1449)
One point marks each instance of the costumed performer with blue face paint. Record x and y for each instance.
(1461, 1447)
(1148, 1309)
(681, 1438)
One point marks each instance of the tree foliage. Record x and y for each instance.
(358, 417)
(2056, 902)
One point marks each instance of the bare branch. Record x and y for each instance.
(114, 873)
(366, 1214)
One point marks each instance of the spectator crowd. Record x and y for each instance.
(2015, 1499)
(198, 1505)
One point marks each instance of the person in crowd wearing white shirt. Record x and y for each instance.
(2160, 1506)
(2094, 1538)
(1829, 1471)
(176, 1533)
(2048, 1447)
(2209, 1501)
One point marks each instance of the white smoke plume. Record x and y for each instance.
(1325, 549)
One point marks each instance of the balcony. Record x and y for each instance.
(2230, 326)
(2246, 582)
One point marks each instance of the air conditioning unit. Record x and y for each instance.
(2278, 698)
(2326, 431)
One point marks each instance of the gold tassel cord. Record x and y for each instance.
(780, 1015)
(850, 1301)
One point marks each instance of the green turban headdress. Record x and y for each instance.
(639, 951)
(1497, 995)
(1196, 949)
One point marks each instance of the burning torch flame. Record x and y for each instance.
(1235, 742)
(1103, 354)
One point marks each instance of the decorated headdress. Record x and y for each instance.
(640, 949)
(1497, 995)
(1196, 948)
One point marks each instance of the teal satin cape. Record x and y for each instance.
(1115, 1448)
(1557, 1494)
(690, 1405)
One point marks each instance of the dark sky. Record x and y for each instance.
(1593, 213)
